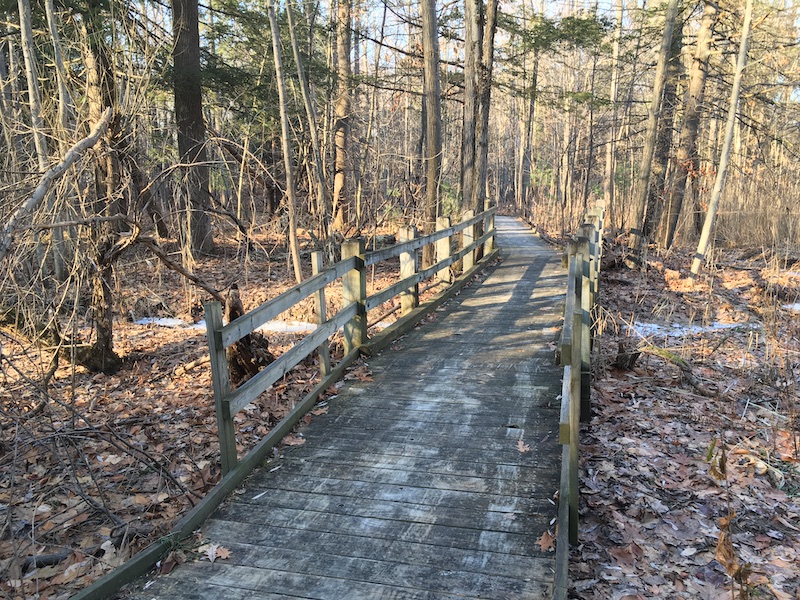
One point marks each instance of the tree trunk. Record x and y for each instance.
(472, 57)
(719, 183)
(100, 95)
(191, 127)
(480, 195)
(433, 120)
(526, 150)
(636, 241)
(286, 140)
(32, 75)
(323, 197)
(659, 183)
(686, 160)
(610, 174)
(341, 126)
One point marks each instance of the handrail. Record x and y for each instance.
(351, 318)
(583, 253)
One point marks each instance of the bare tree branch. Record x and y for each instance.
(54, 173)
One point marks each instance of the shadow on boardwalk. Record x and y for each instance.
(415, 484)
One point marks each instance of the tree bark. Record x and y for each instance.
(191, 126)
(433, 120)
(636, 241)
(473, 31)
(526, 150)
(686, 159)
(481, 197)
(323, 205)
(659, 183)
(610, 175)
(719, 183)
(286, 141)
(341, 125)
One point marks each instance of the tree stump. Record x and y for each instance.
(251, 353)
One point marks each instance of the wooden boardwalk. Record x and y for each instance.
(414, 485)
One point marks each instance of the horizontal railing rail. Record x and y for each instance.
(583, 256)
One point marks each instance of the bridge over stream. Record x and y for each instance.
(434, 480)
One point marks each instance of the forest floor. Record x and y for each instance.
(690, 478)
(94, 467)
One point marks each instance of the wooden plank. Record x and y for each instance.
(354, 292)
(439, 481)
(518, 521)
(377, 256)
(222, 386)
(422, 496)
(264, 581)
(229, 533)
(375, 571)
(386, 529)
(251, 321)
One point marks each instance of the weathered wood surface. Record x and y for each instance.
(413, 485)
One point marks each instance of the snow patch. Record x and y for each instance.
(676, 329)
(792, 307)
(270, 326)
(287, 327)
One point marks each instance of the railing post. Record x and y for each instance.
(575, 392)
(487, 227)
(408, 266)
(583, 332)
(320, 309)
(467, 238)
(443, 250)
(221, 382)
(354, 289)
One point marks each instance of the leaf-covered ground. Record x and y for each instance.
(689, 468)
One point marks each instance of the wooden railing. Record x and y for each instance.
(351, 318)
(583, 260)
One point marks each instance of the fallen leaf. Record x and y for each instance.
(547, 542)
(293, 440)
(211, 552)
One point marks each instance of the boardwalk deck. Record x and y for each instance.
(413, 484)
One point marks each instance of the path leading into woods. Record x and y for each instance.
(434, 480)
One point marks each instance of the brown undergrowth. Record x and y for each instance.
(95, 467)
(690, 486)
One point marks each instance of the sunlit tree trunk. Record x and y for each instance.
(725, 155)
(610, 171)
(472, 54)
(433, 120)
(686, 160)
(323, 202)
(480, 195)
(286, 141)
(658, 184)
(341, 125)
(636, 240)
